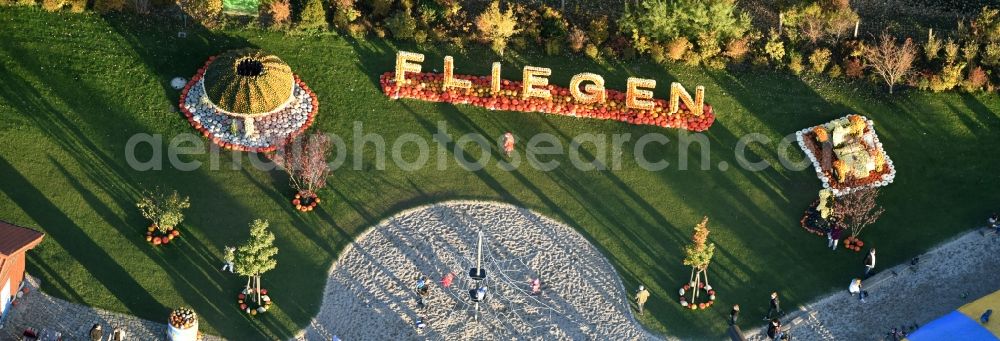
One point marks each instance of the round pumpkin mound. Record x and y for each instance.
(248, 82)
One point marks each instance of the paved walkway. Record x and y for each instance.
(39, 310)
(945, 278)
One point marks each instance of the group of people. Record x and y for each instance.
(774, 330)
(422, 288)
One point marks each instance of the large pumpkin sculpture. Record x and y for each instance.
(248, 100)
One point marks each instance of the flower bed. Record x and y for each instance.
(156, 237)
(847, 154)
(695, 306)
(223, 130)
(813, 222)
(427, 87)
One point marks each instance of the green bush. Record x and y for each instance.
(950, 51)
(932, 48)
(598, 30)
(380, 8)
(77, 6)
(970, 50)
(819, 59)
(591, 51)
(775, 48)
(497, 26)
(795, 63)
(708, 46)
(835, 71)
(991, 54)
(664, 20)
(988, 24)
(677, 48)
(553, 46)
(52, 5)
(206, 12)
(402, 25)
(313, 16)
(949, 78)
(198, 9)
(658, 53)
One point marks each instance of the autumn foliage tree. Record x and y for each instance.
(698, 255)
(305, 160)
(856, 210)
(497, 26)
(256, 256)
(890, 60)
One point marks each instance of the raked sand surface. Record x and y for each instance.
(370, 293)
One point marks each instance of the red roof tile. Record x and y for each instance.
(14, 238)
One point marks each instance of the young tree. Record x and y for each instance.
(857, 210)
(497, 26)
(256, 256)
(698, 255)
(891, 61)
(164, 210)
(305, 160)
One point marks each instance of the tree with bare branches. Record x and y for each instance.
(305, 160)
(857, 210)
(889, 60)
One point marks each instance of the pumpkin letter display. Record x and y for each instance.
(586, 96)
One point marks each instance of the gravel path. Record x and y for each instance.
(41, 311)
(370, 292)
(945, 278)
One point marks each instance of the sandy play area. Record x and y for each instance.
(370, 294)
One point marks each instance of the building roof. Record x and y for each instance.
(14, 238)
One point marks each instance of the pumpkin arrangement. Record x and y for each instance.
(249, 306)
(183, 318)
(847, 154)
(305, 201)
(701, 286)
(428, 87)
(248, 100)
(166, 212)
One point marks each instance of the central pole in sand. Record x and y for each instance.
(479, 253)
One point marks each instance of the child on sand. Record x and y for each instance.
(447, 280)
(536, 286)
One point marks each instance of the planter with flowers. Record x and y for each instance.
(165, 211)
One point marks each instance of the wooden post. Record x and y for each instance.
(856, 25)
(781, 22)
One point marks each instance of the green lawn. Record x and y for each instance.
(74, 88)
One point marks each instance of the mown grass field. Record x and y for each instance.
(75, 88)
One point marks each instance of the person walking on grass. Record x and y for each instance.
(228, 256)
(508, 143)
(774, 306)
(833, 236)
(855, 288)
(640, 298)
(734, 314)
(869, 262)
